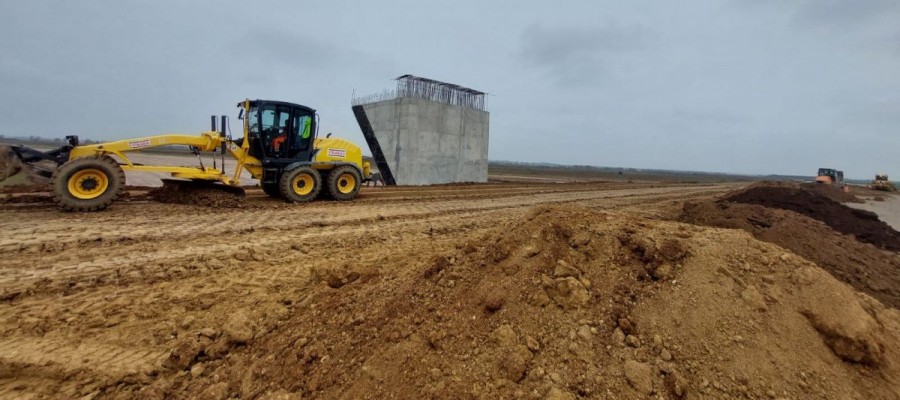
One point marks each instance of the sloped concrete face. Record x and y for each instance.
(425, 142)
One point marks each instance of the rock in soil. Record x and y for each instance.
(640, 376)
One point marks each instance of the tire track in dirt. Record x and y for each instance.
(115, 360)
(259, 269)
(472, 192)
(45, 360)
(276, 223)
(370, 234)
(153, 222)
(367, 238)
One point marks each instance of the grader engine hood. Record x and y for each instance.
(337, 150)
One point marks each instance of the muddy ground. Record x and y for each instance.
(561, 291)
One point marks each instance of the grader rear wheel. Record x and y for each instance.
(344, 183)
(87, 184)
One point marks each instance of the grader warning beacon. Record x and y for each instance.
(279, 147)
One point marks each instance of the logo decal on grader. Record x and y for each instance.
(139, 144)
(338, 153)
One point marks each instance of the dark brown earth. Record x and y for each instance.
(9, 163)
(864, 225)
(868, 269)
(16, 177)
(25, 199)
(204, 195)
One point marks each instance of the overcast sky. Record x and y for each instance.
(745, 86)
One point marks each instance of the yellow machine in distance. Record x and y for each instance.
(279, 148)
(830, 176)
(883, 183)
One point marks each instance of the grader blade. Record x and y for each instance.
(199, 193)
(187, 187)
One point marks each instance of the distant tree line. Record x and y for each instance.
(42, 140)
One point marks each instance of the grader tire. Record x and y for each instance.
(344, 182)
(87, 184)
(300, 185)
(325, 194)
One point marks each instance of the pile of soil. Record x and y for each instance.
(204, 195)
(835, 193)
(863, 266)
(864, 225)
(17, 177)
(12, 198)
(566, 303)
(10, 164)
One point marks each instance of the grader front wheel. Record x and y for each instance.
(300, 185)
(87, 184)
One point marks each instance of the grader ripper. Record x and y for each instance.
(280, 148)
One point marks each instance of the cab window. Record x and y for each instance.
(303, 125)
(267, 118)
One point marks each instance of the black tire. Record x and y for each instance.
(300, 185)
(344, 183)
(325, 194)
(271, 189)
(87, 183)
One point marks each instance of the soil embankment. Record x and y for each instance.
(568, 303)
(811, 202)
(481, 291)
(802, 220)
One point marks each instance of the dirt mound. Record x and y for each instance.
(17, 177)
(10, 164)
(9, 198)
(864, 225)
(866, 268)
(197, 195)
(566, 303)
(835, 193)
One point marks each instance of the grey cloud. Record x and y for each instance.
(842, 13)
(296, 50)
(839, 15)
(767, 86)
(575, 56)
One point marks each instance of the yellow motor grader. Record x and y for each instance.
(882, 182)
(279, 147)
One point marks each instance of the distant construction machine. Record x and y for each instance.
(279, 147)
(882, 182)
(830, 176)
